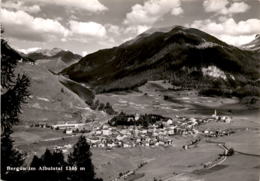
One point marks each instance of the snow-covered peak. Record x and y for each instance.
(48, 52)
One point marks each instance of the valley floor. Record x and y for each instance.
(174, 163)
(203, 161)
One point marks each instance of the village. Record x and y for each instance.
(160, 133)
(157, 134)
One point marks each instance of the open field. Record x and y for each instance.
(155, 97)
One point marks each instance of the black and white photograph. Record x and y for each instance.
(130, 90)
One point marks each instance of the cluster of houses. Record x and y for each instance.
(71, 128)
(218, 133)
(108, 137)
(157, 134)
(67, 127)
(160, 133)
(63, 148)
(225, 119)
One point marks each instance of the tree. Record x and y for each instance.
(230, 152)
(145, 122)
(9, 157)
(58, 158)
(81, 158)
(101, 107)
(109, 109)
(95, 105)
(54, 159)
(14, 91)
(49, 160)
(35, 175)
(36, 162)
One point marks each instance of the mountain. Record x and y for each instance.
(185, 55)
(52, 98)
(65, 55)
(253, 45)
(54, 59)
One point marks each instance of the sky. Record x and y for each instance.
(85, 26)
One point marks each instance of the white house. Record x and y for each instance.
(69, 131)
(106, 132)
(68, 126)
(169, 122)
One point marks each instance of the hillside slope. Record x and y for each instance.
(52, 98)
(49, 100)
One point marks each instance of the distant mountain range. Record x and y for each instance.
(64, 55)
(54, 59)
(177, 53)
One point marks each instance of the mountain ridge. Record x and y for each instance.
(156, 55)
(65, 55)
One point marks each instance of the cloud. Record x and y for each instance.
(229, 26)
(151, 11)
(107, 42)
(229, 30)
(91, 29)
(224, 7)
(237, 40)
(21, 25)
(29, 50)
(136, 30)
(113, 29)
(19, 5)
(84, 53)
(214, 6)
(239, 7)
(88, 5)
(177, 11)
